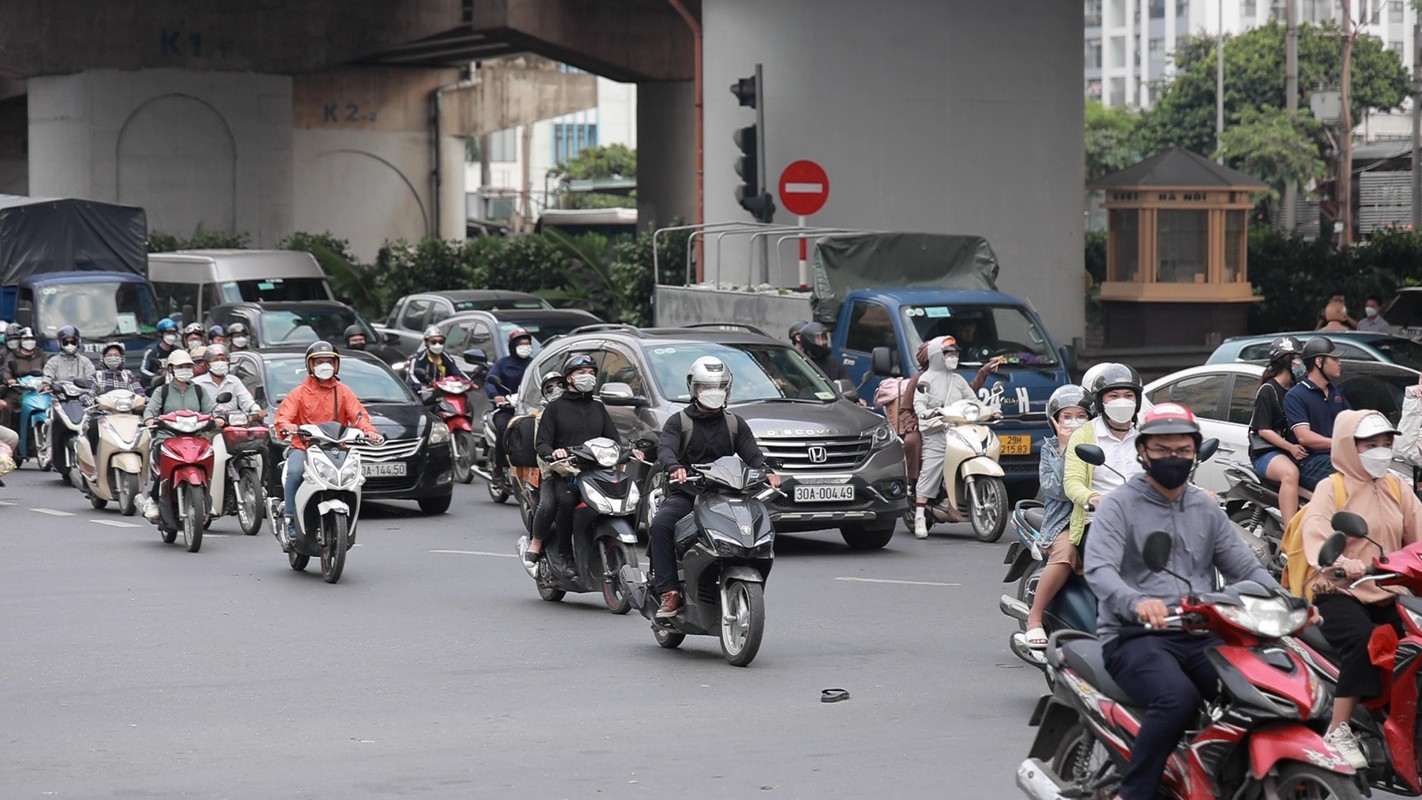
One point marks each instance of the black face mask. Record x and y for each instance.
(360, 346)
(1171, 472)
(816, 350)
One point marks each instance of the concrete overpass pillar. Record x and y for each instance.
(14, 133)
(666, 152)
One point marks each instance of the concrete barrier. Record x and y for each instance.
(772, 313)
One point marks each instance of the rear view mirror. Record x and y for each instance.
(1091, 454)
(225, 397)
(83, 383)
(885, 362)
(1350, 525)
(1208, 448)
(1156, 553)
(619, 394)
(1332, 549)
(846, 389)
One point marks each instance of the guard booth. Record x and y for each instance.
(1176, 272)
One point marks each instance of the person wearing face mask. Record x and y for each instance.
(25, 359)
(355, 337)
(321, 397)
(1372, 321)
(1066, 411)
(815, 344)
(178, 393)
(68, 364)
(200, 362)
(1362, 453)
(217, 335)
(701, 433)
(111, 377)
(155, 356)
(504, 377)
(1166, 671)
(430, 362)
(938, 386)
(1311, 406)
(1116, 399)
(1272, 448)
(238, 337)
(219, 379)
(573, 418)
(194, 336)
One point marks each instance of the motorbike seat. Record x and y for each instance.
(1313, 637)
(1084, 655)
(1034, 517)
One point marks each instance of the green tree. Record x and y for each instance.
(592, 163)
(1276, 147)
(1110, 139)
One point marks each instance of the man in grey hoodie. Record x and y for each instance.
(1167, 671)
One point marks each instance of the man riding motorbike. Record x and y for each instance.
(178, 393)
(194, 335)
(1312, 405)
(430, 362)
(355, 337)
(153, 358)
(321, 397)
(571, 419)
(504, 378)
(68, 364)
(219, 379)
(1167, 671)
(1115, 392)
(216, 335)
(238, 338)
(111, 376)
(715, 432)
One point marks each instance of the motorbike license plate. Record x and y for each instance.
(1015, 444)
(824, 494)
(376, 470)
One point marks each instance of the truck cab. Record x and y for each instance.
(104, 306)
(987, 325)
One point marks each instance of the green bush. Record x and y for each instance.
(1295, 278)
(1096, 255)
(202, 239)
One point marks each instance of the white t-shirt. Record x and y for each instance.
(1120, 453)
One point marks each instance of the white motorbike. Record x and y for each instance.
(119, 470)
(327, 501)
(237, 471)
(972, 476)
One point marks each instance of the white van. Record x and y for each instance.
(190, 282)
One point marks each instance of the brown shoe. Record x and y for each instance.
(671, 603)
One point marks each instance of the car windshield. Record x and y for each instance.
(983, 332)
(761, 372)
(276, 290)
(372, 383)
(280, 326)
(1400, 351)
(100, 309)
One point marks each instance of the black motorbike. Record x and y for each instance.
(724, 550)
(61, 429)
(604, 540)
(1252, 503)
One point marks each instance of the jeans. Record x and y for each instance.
(674, 506)
(1314, 469)
(557, 497)
(295, 469)
(1348, 625)
(1169, 671)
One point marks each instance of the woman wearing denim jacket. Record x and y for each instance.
(1067, 411)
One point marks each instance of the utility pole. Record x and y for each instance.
(1291, 101)
(1344, 184)
(1219, 86)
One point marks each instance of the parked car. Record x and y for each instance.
(843, 466)
(413, 463)
(191, 282)
(1222, 397)
(1404, 313)
(415, 312)
(302, 323)
(1357, 346)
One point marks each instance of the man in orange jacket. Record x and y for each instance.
(320, 398)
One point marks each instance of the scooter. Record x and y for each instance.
(60, 429)
(972, 476)
(1261, 738)
(327, 501)
(1253, 504)
(502, 488)
(118, 471)
(724, 551)
(34, 409)
(185, 471)
(1073, 608)
(522, 475)
(238, 461)
(603, 537)
(448, 399)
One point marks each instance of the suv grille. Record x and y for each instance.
(391, 450)
(804, 453)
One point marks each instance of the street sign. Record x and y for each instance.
(804, 188)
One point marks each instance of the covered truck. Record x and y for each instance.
(884, 294)
(81, 263)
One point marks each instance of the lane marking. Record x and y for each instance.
(5, 504)
(52, 512)
(901, 583)
(113, 523)
(475, 553)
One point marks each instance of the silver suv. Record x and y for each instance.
(843, 466)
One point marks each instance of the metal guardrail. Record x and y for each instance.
(753, 232)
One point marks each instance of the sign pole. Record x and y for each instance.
(804, 273)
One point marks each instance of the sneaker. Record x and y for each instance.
(1342, 740)
(920, 525)
(150, 509)
(671, 603)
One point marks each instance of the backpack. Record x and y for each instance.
(733, 425)
(1295, 576)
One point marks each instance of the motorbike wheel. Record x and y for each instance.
(249, 502)
(464, 462)
(333, 551)
(128, 494)
(546, 588)
(195, 520)
(44, 454)
(1080, 757)
(743, 622)
(667, 638)
(527, 504)
(989, 517)
(498, 490)
(66, 467)
(1298, 781)
(297, 561)
(614, 592)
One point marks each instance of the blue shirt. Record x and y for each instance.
(1306, 404)
(1057, 506)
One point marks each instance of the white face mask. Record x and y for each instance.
(27, 344)
(1121, 410)
(325, 371)
(1370, 311)
(170, 339)
(1377, 461)
(239, 341)
(951, 362)
(524, 350)
(1070, 425)
(113, 362)
(183, 375)
(436, 348)
(712, 398)
(584, 382)
(193, 344)
(70, 349)
(219, 368)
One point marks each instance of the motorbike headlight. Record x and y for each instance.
(971, 413)
(350, 471)
(439, 433)
(599, 502)
(323, 470)
(883, 435)
(1271, 617)
(124, 405)
(606, 455)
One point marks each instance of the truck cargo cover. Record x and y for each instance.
(844, 264)
(39, 236)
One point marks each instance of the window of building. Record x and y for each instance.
(1157, 9)
(1395, 47)
(1118, 92)
(1394, 11)
(1117, 46)
(1157, 50)
(1093, 54)
(1093, 13)
(503, 145)
(1249, 9)
(1182, 246)
(1125, 244)
(571, 138)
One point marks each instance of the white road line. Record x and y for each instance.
(476, 553)
(52, 512)
(113, 523)
(5, 504)
(903, 583)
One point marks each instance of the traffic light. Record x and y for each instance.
(750, 164)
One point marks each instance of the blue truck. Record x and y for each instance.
(81, 263)
(884, 294)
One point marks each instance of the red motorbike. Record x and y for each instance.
(1387, 733)
(185, 464)
(450, 403)
(1261, 738)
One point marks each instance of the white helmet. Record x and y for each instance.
(433, 332)
(179, 358)
(709, 381)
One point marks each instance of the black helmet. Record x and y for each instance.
(353, 330)
(796, 328)
(321, 348)
(577, 362)
(1284, 348)
(68, 332)
(1110, 377)
(215, 331)
(1319, 346)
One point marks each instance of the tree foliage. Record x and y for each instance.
(1277, 147)
(1110, 139)
(611, 161)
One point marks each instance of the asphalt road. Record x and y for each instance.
(135, 669)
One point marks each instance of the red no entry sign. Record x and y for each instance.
(804, 188)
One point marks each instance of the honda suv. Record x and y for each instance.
(843, 467)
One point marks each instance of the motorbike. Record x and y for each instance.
(501, 489)
(238, 488)
(61, 428)
(118, 470)
(327, 501)
(1253, 504)
(1387, 730)
(1259, 739)
(972, 476)
(724, 550)
(449, 400)
(34, 409)
(603, 537)
(185, 472)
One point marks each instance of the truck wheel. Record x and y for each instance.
(864, 537)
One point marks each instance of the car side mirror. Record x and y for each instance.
(884, 362)
(619, 394)
(390, 338)
(427, 396)
(1332, 549)
(1156, 553)
(1208, 448)
(1349, 524)
(847, 389)
(1091, 454)
(476, 355)
(225, 397)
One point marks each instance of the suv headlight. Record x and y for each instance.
(883, 435)
(439, 433)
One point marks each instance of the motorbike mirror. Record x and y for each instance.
(884, 362)
(1156, 552)
(83, 383)
(1091, 454)
(1332, 549)
(1208, 448)
(1350, 525)
(476, 355)
(225, 397)
(427, 396)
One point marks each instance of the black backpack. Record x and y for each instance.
(733, 426)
